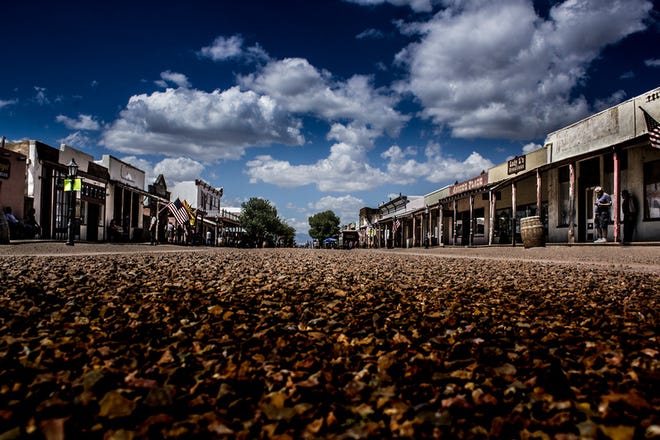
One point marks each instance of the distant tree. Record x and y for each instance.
(259, 220)
(287, 235)
(323, 225)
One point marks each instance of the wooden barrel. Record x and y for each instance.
(531, 230)
(4, 229)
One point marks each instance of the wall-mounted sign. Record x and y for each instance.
(5, 167)
(516, 165)
(469, 185)
(92, 193)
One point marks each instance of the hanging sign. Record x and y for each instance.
(77, 185)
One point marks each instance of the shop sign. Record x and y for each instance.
(469, 185)
(72, 185)
(5, 167)
(516, 165)
(92, 193)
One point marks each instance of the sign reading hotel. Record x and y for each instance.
(516, 165)
(469, 185)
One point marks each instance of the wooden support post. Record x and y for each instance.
(571, 203)
(441, 240)
(491, 217)
(471, 237)
(538, 194)
(513, 213)
(455, 220)
(616, 197)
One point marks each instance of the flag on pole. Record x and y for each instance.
(179, 211)
(395, 226)
(653, 127)
(192, 214)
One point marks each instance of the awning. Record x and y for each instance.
(139, 191)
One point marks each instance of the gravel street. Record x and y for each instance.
(641, 258)
(139, 341)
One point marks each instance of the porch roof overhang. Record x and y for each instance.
(139, 191)
(639, 141)
(463, 195)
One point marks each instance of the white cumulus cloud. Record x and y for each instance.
(77, 140)
(528, 148)
(223, 48)
(435, 166)
(302, 88)
(415, 5)
(346, 207)
(178, 79)
(194, 123)
(499, 70)
(331, 203)
(83, 122)
(347, 169)
(228, 48)
(179, 169)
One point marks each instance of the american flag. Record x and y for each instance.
(653, 128)
(179, 211)
(395, 226)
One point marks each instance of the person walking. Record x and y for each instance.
(601, 214)
(629, 209)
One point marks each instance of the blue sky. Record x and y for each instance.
(317, 104)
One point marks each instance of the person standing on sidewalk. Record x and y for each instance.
(170, 232)
(629, 209)
(154, 230)
(601, 214)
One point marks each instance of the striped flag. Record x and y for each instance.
(179, 211)
(395, 226)
(653, 128)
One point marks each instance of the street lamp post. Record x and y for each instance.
(73, 172)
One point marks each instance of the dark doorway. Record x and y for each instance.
(589, 177)
(92, 222)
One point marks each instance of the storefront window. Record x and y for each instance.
(652, 190)
(479, 220)
(83, 210)
(135, 209)
(564, 201)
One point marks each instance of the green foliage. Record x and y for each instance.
(261, 223)
(287, 235)
(323, 225)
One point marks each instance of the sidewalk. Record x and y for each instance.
(59, 248)
(604, 256)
